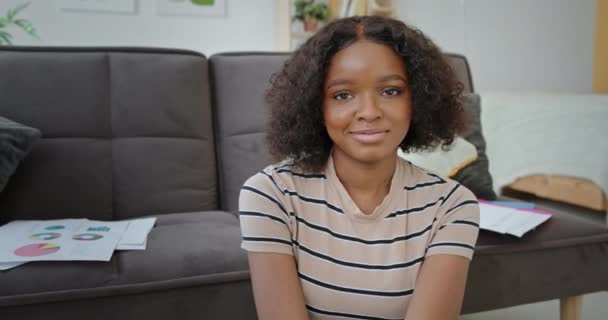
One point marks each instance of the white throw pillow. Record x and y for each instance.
(445, 163)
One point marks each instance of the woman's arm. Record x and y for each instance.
(276, 287)
(439, 288)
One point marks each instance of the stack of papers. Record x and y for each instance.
(508, 220)
(23, 241)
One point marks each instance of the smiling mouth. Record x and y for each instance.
(369, 136)
(369, 131)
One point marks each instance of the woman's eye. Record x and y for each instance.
(342, 96)
(391, 92)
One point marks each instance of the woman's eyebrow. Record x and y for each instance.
(392, 77)
(338, 82)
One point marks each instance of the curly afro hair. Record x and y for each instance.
(296, 130)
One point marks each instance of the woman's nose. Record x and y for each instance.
(369, 107)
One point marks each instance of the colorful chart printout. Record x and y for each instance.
(37, 249)
(99, 229)
(45, 236)
(55, 227)
(87, 237)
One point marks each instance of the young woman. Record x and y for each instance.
(342, 228)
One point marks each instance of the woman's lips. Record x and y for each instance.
(369, 136)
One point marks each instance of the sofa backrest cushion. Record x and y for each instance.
(126, 132)
(239, 81)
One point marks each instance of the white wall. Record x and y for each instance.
(247, 25)
(514, 45)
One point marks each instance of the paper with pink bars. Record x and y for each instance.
(508, 220)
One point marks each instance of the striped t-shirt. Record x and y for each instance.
(352, 265)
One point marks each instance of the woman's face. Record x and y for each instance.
(367, 106)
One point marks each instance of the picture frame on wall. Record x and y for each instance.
(210, 8)
(99, 6)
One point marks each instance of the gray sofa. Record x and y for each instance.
(169, 133)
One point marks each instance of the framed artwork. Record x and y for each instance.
(216, 8)
(102, 6)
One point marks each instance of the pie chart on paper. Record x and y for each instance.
(38, 249)
(87, 237)
(45, 236)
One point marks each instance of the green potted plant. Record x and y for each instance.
(203, 2)
(310, 12)
(11, 20)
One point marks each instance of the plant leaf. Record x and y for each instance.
(15, 11)
(2, 23)
(27, 26)
(6, 37)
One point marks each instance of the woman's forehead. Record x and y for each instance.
(365, 57)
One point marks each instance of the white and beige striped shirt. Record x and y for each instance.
(352, 265)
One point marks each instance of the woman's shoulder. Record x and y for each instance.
(285, 175)
(447, 197)
(417, 178)
(267, 175)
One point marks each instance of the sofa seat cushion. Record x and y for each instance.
(565, 256)
(183, 250)
(186, 245)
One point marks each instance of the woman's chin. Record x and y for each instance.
(372, 155)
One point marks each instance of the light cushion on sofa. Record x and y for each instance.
(16, 141)
(445, 162)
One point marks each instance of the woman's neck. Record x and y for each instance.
(366, 182)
